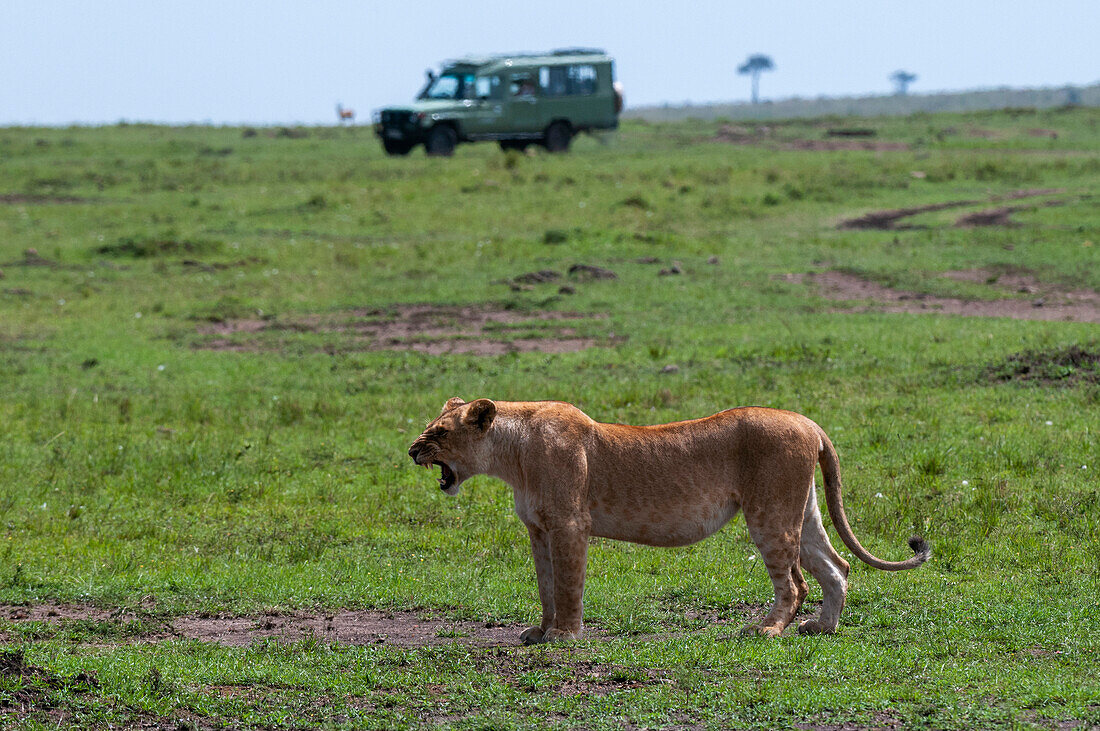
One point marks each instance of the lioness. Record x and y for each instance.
(665, 485)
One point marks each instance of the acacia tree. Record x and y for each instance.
(756, 64)
(902, 80)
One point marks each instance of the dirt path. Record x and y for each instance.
(887, 220)
(433, 329)
(345, 626)
(1044, 301)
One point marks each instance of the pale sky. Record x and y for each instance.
(281, 62)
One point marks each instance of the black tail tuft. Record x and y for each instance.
(921, 548)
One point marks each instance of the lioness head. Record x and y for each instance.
(454, 441)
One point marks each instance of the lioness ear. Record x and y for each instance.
(452, 403)
(481, 413)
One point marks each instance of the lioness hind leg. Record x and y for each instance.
(826, 566)
(779, 549)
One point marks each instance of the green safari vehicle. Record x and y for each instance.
(517, 100)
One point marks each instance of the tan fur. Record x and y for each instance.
(665, 485)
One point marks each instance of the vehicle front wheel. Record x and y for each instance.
(396, 147)
(558, 136)
(441, 141)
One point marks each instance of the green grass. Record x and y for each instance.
(140, 469)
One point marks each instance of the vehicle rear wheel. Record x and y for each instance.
(441, 141)
(558, 136)
(396, 147)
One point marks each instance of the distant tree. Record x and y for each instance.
(902, 80)
(754, 65)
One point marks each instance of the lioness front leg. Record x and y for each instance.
(569, 557)
(544, 571)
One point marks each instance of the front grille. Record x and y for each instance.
(397, 119)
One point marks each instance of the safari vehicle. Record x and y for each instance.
(517, 100)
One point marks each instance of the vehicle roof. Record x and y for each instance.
(508, 60)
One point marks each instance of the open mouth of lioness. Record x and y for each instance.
(447, 478)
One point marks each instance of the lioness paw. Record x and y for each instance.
(531, 636)
(560, 635)
(763, 631)
(815, 627)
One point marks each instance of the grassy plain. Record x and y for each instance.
(195, 424)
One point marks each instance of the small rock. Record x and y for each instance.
(712, 260)
(674, 269)
(671, 368)
(1039, 302)
(567, 289)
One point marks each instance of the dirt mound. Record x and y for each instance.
(1054, 304)
(1067, 365)
(431, 329)
(588, 272)
(31, 258)
(542, 276)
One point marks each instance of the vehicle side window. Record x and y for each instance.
(522, 85)
(553, 80)
(468, 87)
(574, 80)
(582, 79)
(488, 87)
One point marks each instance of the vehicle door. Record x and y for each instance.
(524, 114)
(487, 108)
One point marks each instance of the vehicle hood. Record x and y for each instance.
(433, 106)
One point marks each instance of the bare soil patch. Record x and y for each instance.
(1000, 216)
(1052, 304)
(887, 220)
(570, 678)
(764, 135)
(1068, 365)
(32, 199)
(53, 613)
(36, 684)
(431, 329)
(347, 626)
(31, 258)
(878, 721)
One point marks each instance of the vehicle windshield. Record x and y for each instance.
(450, 86)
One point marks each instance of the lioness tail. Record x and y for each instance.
(830, 468)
